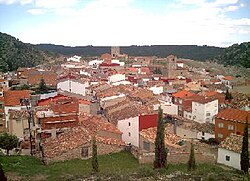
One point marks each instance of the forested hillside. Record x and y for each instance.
(14, 54)
(184, 51)
(237, 54)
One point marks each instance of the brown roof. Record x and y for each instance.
(129, 112)
(182, 94)
(233, 143)
(95, 124)
(234, 115)
(72, 139)
(12, 98)
(170, 138)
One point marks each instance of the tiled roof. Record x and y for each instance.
(128, 112)
(182, 94)
(72, 139)
(12, 98)
(201, 99)
(170, 138)
(45, 102)
(95, 124)
(82, 101)
(18, 114)
(228, 78)
(234, 115)
(233, 143)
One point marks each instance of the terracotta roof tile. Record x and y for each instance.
(170, 138)
(233, 143)
(182, 94)
(234, 115)
(95, 124)
(12, 98)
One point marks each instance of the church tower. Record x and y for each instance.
(115, 51)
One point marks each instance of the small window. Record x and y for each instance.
(220, 135)
(85, 152)
(1, 106)
(1, 125)
(230, 127)
(129, 134)
(208, 114)
(220, 125)
(146, 146)
(128, 123)
(203, 134)
(227, 158)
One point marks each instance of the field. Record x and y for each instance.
(118, 166)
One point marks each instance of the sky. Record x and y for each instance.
(127, 22)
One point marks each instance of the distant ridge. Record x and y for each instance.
(184, 51)
(237, 54)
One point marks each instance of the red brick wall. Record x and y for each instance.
(238, 128)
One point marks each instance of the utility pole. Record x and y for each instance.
(28, 107)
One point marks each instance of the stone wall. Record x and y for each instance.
(76, 153)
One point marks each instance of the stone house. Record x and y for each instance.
(76, 142)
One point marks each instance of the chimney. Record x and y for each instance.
(53, 133)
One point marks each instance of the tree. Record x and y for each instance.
(2, 176)
(160, 150)
(244, 156)
(191, 161)
(95, 165)
(8, 142)
(42, 86)
(228, 95)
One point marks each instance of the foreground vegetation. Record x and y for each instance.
(118, 166)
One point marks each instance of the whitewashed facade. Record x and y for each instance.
(130, 130)
(229, 158)
(116, 78)
(204, 112)
(73, 86)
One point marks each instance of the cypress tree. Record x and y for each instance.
(244, 156)
(95, 165)
(191, 161)
(42, 86)
(2, 176)
(160, 150)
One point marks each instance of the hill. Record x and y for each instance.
(117, 166)
(14, 54)
(184, 51)
(237, 54)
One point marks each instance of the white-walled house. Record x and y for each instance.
(75, 58)
(95, 62)
(229, 151)
(73, 86)
(156, 89)
(167, 107)
(130, 129)
(116, 78)
(204, 111)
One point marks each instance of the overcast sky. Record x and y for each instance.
(127, 22)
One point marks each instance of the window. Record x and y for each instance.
(220, 125)
(230, 127)
(129, 134)
(1, 125)
(146, 146)
(220, 135)
(85, 152)
(203, 134)
(208, 114)
(227, 158)
(129, 124)
(1, 106)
